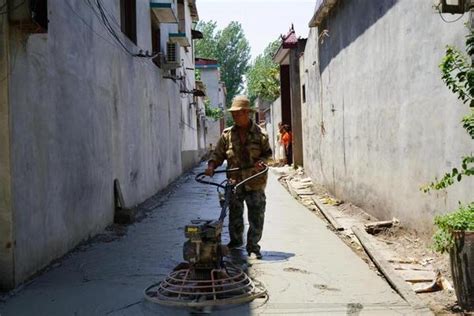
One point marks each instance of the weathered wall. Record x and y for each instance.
(190, 151)
(6, 229)
(83, 113)
(295, 88)
(210, 77)
(379, 122)
(201, 126)
(276, 114)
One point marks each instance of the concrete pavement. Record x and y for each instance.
(306, 268)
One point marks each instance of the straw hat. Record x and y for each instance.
(240, 102)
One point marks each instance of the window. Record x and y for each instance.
(128, 19)
(39, 12)
(29, 16)
(155, 40)
(303, 88)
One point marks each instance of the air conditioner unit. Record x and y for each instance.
(172, 58)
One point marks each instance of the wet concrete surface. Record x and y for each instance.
(305, 268)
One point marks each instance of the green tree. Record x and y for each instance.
(263, 78)
(458, 74)
(206, 47)
(230, 48)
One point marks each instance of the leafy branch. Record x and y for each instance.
(263, 77)
(458, 75)
(212, 112)
(467, 169)
(461, 220)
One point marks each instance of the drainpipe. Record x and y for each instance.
(7, 279)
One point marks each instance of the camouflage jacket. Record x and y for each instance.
(256, 147)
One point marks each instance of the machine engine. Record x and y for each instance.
(203, 248)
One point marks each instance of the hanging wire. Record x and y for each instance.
(449, 21)
(438, 8)
(89, 26)
(105, 18)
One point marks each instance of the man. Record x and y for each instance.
(244, 145)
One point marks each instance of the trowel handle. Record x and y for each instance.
(200, 177)
(251, 177)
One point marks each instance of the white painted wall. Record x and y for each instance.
(188, 120)
(210, 77)
(275, 110)
(379, 122)
(83, 113)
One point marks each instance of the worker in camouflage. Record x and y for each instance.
(244, 145)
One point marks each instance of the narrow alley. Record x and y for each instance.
(306, 268)
(361, 111)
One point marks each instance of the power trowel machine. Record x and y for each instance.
(206, 279)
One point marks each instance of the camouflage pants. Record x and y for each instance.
(256, 202)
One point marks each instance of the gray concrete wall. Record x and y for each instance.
(190, 151)
(201, 119)
(6, 227)
(379, 122)
(210, 77)
(295, 87)
(83, 113)
(275, 110)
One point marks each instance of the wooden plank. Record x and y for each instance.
(417, 276)
(323, 209)
(411, 266)
(392, 277)
(376, 227)
(290, 188)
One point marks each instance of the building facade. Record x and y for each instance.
(90, 92)
(378, 122)
(216, 94)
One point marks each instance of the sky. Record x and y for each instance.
(263, 21)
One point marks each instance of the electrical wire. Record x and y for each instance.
(112, 17)
(191, 127)
(103, 16)
(89, 26)
(438, 7)
(450, 21)
(110, 29)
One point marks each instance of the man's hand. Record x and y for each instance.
(210, 169)
(260, 165)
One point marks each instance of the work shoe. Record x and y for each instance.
(233, 244)
(258, 254)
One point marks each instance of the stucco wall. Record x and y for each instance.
(83, 113)
(275, 110)
(210, 77)
(379, 122)
(190, 152)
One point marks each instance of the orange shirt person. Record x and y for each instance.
(287, 139)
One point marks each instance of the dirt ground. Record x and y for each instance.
(411, 247)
